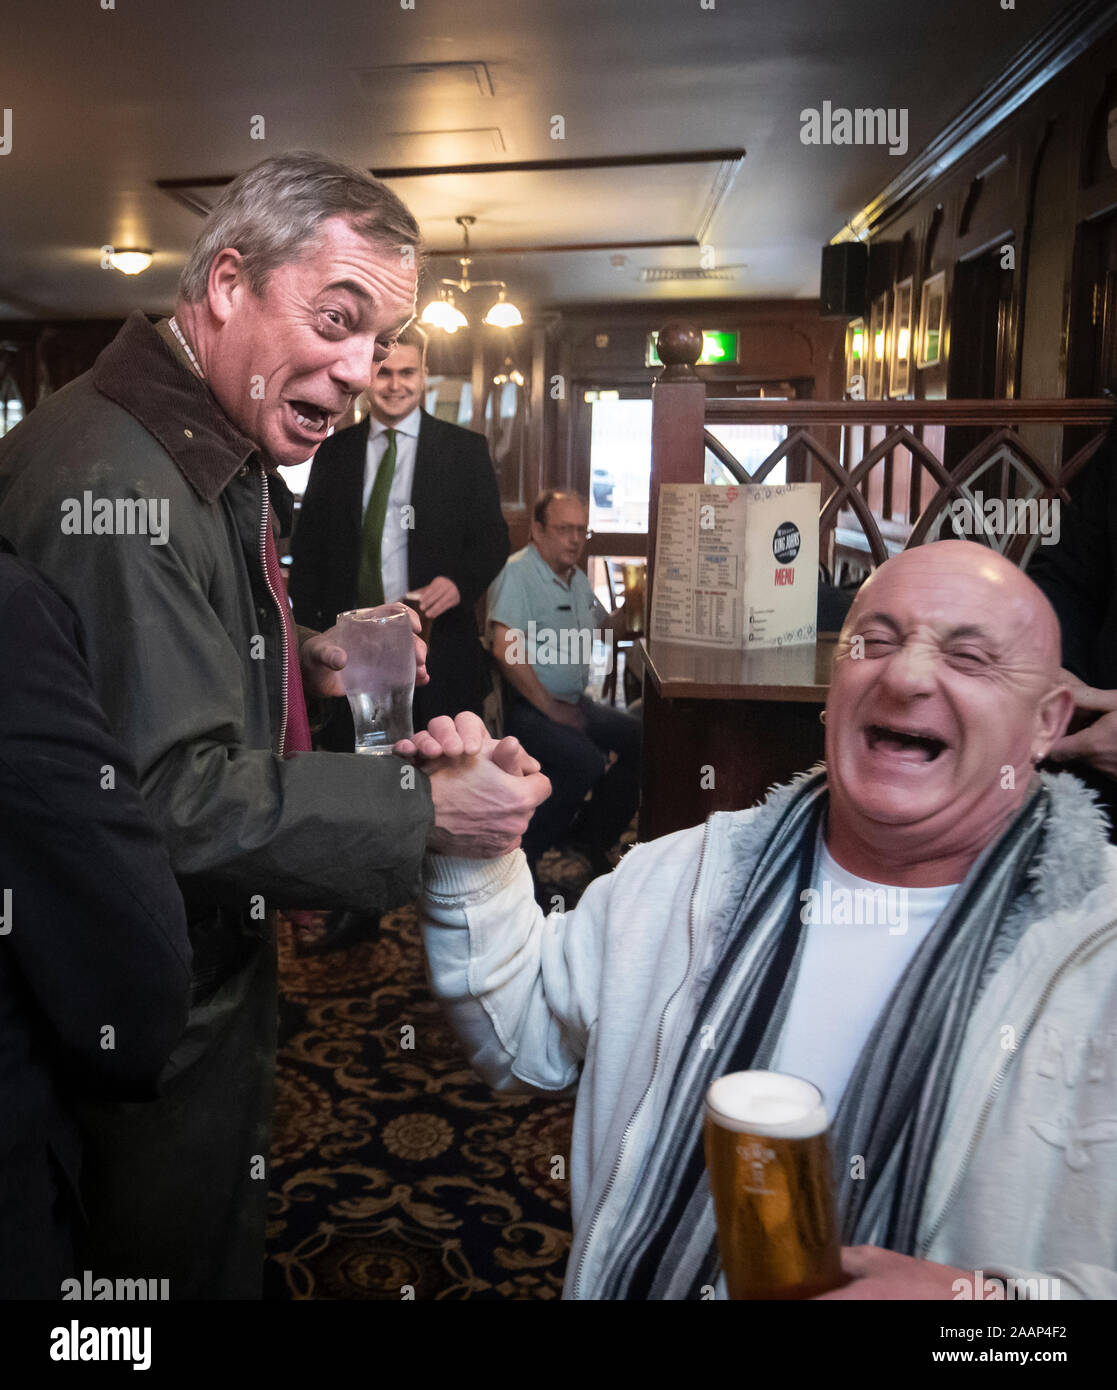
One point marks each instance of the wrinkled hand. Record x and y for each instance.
(485, 790)
(874, 1273)
(438, 597)
(480, 812)
(1097, 743)
(322, 658)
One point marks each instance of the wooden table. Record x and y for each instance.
(720, 727)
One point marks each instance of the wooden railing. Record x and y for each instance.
(890, 470)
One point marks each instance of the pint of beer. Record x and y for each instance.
(773, 1186)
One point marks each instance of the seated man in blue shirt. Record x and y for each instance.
(542, 617)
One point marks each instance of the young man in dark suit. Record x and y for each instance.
(403, 503)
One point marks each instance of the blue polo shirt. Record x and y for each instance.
(552, 622)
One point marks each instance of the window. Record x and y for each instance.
(750, 445)
(620, 463)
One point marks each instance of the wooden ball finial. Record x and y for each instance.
(679, 346)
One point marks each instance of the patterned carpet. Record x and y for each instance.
(396, 1172)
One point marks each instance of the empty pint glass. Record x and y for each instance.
(379, 674)
(773, 1186)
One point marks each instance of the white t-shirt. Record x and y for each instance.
(860, 937)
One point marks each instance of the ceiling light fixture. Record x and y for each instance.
(503, 313)
(443, 313)
(130, 260)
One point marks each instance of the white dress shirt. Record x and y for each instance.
(397, 519)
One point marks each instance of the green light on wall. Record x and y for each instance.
(717, 348)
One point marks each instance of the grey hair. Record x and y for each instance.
(272, 212)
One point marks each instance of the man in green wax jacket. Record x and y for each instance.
(143, 490)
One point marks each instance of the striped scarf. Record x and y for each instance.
(665, 1246)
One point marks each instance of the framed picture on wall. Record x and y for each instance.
(899, 380)
(856, 360)
(876, 347)
(931, 308)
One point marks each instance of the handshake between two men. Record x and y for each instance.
(484, 790)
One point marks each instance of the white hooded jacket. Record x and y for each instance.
(1024, 1180)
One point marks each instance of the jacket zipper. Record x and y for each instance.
(279, 606)
(1010, 1057)
(647, 1089)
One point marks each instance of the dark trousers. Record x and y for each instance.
(575, 761)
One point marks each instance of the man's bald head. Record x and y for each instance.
(945, 695)
(995, 586)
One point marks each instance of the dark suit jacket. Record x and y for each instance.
(1079, 576)
(459, 532)
(96, 929)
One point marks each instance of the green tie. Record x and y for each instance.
(370, 584)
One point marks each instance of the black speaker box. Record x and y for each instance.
(845, 277)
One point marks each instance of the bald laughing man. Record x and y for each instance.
(963, 1041)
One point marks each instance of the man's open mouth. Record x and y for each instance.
(908, 744)
(311, 419)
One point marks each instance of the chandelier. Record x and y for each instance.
(443, 313)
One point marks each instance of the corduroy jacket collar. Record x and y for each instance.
(141, 373)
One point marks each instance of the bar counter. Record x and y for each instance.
(721, 727)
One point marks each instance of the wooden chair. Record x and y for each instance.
(624, 636)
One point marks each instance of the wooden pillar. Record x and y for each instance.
(678, 422)
(531, 483)
(479, 381)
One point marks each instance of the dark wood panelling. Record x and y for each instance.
(41, 357)
(1032, 183)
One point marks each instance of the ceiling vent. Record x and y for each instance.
(400, 82)
(654, 274)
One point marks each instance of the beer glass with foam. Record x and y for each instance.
(773, 1185)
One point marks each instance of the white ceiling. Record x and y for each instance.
(105, 102)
